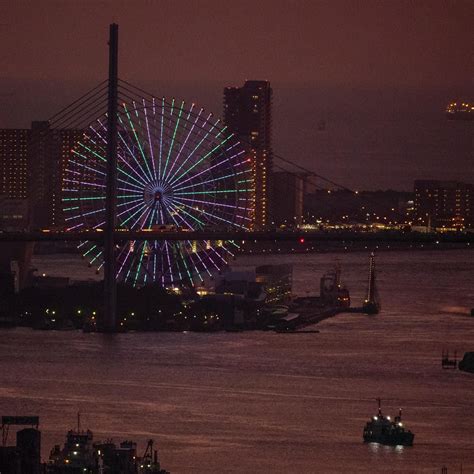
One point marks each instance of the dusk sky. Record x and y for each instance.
(378, 72)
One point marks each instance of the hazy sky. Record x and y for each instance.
(347, 62)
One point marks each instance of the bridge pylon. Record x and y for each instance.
(110, 281)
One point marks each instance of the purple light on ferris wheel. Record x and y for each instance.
(177, 168)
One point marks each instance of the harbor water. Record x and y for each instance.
(262, 402)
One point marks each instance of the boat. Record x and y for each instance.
(77, 455)
(372, 301)
(81, 455)
(332, 292)
(382, 430)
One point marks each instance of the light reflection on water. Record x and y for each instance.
(264, 402)
(377, 449)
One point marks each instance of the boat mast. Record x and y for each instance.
(380, 406)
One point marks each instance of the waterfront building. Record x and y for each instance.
(13, 213)
(287, 198)
(444, 204)
(247, 114)
(14, 162)
(49, 152)
(32, 164)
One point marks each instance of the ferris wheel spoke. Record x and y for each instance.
(183, 260)
(140, 206)
(137, 273)
(132, 126)
(210, 258)
(190, 254)
(154, 260)
(85, 214)
(202, 211)
(130, 153)
(75, 227)
(211, 203)
(150, 144)
(99, 253)
(90, 250)
(161, 134)
(178, 211)
(138, 186)
(218, 255)
(170, 149)
(219, 165)
(139, 180)
(196, 148)
(127, 204)
(169, 260)
(90, 150)
(227, 250)
(83, 183)
(209, 153)
(213, 180)
(205, 267)
(82, 165)
(150, 215)
(136, 113)
(132, 263)
(121, 158)
(139, 193)
(187, 137)
(125, 259)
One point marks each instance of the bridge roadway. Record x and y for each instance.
(296, 236)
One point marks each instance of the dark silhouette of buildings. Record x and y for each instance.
(287, 198)
(341, 206)
(25, 456)
(247, 113)
(444, 204)
(79, 454)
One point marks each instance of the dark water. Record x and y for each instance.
(264, 402)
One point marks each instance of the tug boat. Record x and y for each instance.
(381, 429)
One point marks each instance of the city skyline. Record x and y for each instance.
(385, 128)
(228, 230)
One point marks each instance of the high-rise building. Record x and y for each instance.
(448, 204)
(14, 162)
(247, 113)
(49, 152)
(287, 198)
(32, 163)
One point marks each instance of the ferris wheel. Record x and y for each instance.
(177, 169)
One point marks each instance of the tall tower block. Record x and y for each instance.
(248, 114)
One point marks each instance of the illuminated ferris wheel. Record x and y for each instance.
(178, 168)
